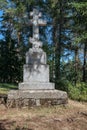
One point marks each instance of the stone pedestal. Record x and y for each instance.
(32, 98)
(36, 90)
(36, 72)
(36, 86)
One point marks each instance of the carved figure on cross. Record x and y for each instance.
(36, 22)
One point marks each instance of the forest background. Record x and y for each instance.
(64, 40)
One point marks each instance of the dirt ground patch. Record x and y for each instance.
(70, 117)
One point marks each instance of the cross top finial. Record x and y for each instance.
(36, 22)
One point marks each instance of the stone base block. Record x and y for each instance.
(36, 86)
(32, 98)
(36, 73)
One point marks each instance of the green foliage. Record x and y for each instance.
(10, 63)
(81, 7)
(78, 92)
(4, 87)
(62, 84)
(81, 17)
(3, 4)
(69, 71)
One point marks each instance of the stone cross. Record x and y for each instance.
(36, 22)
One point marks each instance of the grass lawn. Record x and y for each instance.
(5, 87)
(71, 117)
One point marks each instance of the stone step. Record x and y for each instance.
(32, 98)
(39, 94)
(36, 86)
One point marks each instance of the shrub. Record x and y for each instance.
(78, 92)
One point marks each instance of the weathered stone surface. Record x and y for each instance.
(36, 73)
(36, 98)
(39, 94)
(34, 102)
(36, 86)
(36, 70)
(3, 99)
(36, 22)
(36, 56)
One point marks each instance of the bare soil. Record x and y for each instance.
(73, 116)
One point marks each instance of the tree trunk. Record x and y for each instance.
(76, 65)
(57, 40)
(84, 63)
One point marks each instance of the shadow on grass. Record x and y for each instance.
(5, 124)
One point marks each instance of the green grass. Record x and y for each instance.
(5, 87)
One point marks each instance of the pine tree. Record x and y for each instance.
(81, 30)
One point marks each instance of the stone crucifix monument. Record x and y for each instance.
(36, 90)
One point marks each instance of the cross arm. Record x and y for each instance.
(42, 22)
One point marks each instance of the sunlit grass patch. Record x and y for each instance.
(5, 87)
